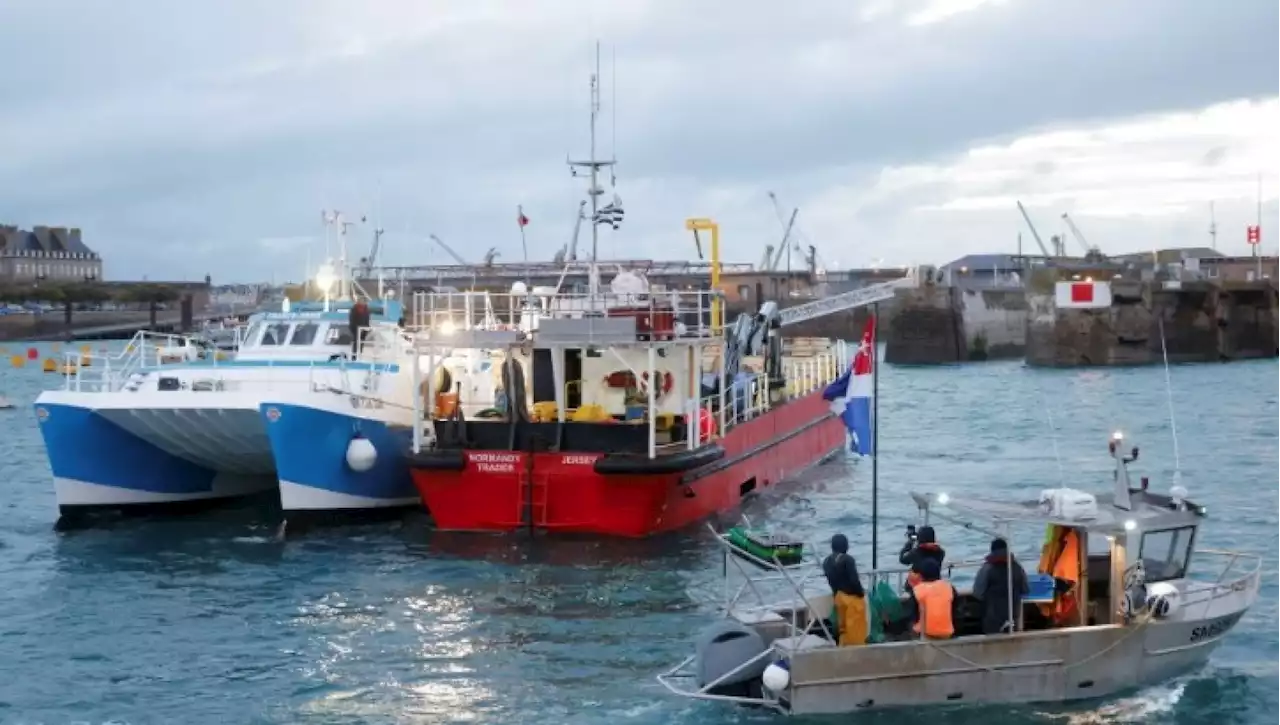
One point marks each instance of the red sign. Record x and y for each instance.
(1082, 292)
(1254, 235)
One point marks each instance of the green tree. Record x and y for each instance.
(76, 293)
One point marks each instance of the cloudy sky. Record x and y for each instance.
(199, 137)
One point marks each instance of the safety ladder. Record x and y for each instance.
(534, 489)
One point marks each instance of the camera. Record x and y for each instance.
(911, 533)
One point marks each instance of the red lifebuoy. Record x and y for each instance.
(668, 381)
(706, 425)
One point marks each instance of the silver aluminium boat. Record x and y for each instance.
(1149, 607)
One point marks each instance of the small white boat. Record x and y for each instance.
(1148, 608)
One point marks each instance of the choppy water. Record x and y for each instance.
(210, 620)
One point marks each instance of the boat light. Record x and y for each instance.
(324, 277)
(1130, 525)
(1114, 443)
(1117, 436)
(446, 327)
(943, 499)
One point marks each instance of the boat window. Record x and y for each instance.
(275, 334)
(304, 333)
(337, 335)
(1164, 553)
(251, 335)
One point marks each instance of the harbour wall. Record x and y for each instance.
(1198, 321)
(949, 324)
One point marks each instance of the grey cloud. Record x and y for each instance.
(221, 124)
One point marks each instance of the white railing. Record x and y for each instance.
(668, 314)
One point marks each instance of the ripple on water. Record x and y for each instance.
(212, 620)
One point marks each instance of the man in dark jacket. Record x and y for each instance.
(358, 321)
(847, 592)
(924, 546)
(991, 587)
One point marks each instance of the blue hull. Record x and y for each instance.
(310, 448)
(97, 464)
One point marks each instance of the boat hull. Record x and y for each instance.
(309, 442)
(603, 494)
(98, 464)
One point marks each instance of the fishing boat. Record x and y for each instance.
(158, 427)
(630, 409)
(1142, 608)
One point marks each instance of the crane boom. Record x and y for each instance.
(456, 257)
(852, 299)
(1039, 242)
(1075, 231)
(577, 227)
(786, 237)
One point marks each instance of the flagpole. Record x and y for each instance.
(522, 221)
(875, 435)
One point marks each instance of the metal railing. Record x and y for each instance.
(665, 315)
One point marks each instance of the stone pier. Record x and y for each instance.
(1199, 321)
(949, 324)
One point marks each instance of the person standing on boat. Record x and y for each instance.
(933, 598)
(846, 588)
(993, 588)
(923, 546)
(358, 321)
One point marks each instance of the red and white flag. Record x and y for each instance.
(1084, 295)
(521, 219)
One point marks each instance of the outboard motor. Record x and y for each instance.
(721, 648)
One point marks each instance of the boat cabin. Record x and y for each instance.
(307, 332)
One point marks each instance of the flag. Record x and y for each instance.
(610, 214)
(1254, 234)
(850, 394)
(521, 219)
(1086, 294)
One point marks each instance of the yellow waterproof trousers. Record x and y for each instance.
(851, 616)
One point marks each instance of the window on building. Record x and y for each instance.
(275, 334)
(744, 291)
(304, 333)
(1164, 553)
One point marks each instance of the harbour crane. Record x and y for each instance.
(1035, 234)
(787, 226)
(577, 227)
(367, 263)
(456, 257)
(1091, 252)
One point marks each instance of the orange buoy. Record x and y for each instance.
(17, 361)
(50, 365)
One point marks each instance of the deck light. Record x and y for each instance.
(943, 499)
(1130, 525)
(324, 278)
(446, 327)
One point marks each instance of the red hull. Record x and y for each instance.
(495, 490)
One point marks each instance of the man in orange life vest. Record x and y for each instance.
(918, 548)
(850, 598)
(933, 598)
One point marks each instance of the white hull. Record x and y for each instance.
(73, 493)
(301, 499)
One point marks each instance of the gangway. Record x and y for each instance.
(852, 299)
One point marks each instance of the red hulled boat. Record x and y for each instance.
(590, 446)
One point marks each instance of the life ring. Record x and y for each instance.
(668, 382)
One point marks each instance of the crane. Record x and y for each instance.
(1039, 242)
(787, 226)
(457, 257)
(366, 263)
(1090, 251)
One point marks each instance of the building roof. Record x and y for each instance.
(984, 262)
(42, 239)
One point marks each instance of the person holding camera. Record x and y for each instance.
(920, 546)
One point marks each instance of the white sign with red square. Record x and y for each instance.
(1082, 295)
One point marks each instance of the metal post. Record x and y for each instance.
(415, 377)
(724, 346)
(875, 438)
(653, 400)
(694, 422)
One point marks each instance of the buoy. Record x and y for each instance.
(85, 361)
(17, 361)
(33, 354)
(85, 349)
(361, 455)
(777, 676)
(56, 347)
(50, 365)
(1163, 599)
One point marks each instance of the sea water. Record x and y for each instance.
(210, 619)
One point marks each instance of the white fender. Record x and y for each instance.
(361, 455)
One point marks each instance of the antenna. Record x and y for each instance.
(1213, 228)
(1173, 424)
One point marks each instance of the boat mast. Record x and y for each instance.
(594, 191)
(875, 436)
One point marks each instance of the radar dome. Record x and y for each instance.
(519, 288)
(628, 283)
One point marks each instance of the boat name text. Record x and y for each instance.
(494, 462)
(1214, 629)
(578, 460)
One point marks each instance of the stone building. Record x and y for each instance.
(46, 253)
